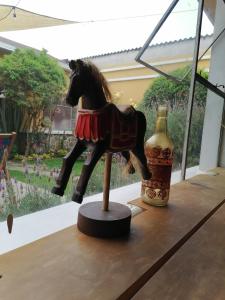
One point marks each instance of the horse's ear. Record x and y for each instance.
(76, 64)
(80, 63)
(72, 65)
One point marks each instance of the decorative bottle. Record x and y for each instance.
(159, 154)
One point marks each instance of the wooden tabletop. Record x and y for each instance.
(197, 270)
(71, 265)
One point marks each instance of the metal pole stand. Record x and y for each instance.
(108, 220)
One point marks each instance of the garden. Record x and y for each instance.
(33, 180)
(33, 85)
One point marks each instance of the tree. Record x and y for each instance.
(174, 94)
(32, 82)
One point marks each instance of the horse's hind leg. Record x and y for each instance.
(129, 166)
(95, 155)
(68, 162)
(142, 162)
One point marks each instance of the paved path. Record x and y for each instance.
(19, 167)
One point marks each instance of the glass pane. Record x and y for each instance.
(62, 118)
(175, 40)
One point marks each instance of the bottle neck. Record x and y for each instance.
(161, 125)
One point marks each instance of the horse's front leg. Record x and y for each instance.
(67, 166)
(97, 151)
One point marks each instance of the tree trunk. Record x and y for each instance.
(3, 115)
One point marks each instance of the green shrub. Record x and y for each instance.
(174, 94)
(61, 153)
(18, 157)
(47, 156)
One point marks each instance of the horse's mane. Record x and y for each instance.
(98, 78)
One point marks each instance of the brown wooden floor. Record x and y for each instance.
(171, 253)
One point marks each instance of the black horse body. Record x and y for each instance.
(87, 82)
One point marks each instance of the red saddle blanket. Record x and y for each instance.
(97, 124)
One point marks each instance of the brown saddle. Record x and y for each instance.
(123, 128)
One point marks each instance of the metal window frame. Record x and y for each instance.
(192, 90)
(195, 76)
(151, 37)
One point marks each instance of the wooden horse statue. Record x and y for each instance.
(101, 127)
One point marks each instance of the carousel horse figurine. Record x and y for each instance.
(101, 127)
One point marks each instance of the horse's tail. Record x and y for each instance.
(139, 151)
(129, 166)
(132, 162)
(141, 127)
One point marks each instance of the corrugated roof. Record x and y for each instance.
(138, 48)
(12, 45)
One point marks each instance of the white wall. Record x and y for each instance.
(222, 156)
(209, 157)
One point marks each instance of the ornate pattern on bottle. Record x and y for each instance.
(159, 154)
(156, 190)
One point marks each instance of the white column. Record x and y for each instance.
(209, 157)
(222, 154)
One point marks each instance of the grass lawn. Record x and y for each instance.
(57, 163)
(54, 163)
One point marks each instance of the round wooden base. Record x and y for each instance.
(93, 221)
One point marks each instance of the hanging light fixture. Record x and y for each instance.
(14, 12)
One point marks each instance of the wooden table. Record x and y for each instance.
(197, 270)
(70, 265)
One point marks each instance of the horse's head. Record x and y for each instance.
(76, 86)
(86, 80)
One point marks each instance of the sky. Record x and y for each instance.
(105, 26)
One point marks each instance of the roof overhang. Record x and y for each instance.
(14, 18)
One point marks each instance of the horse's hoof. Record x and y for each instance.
(77, 197)
(57, 191)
